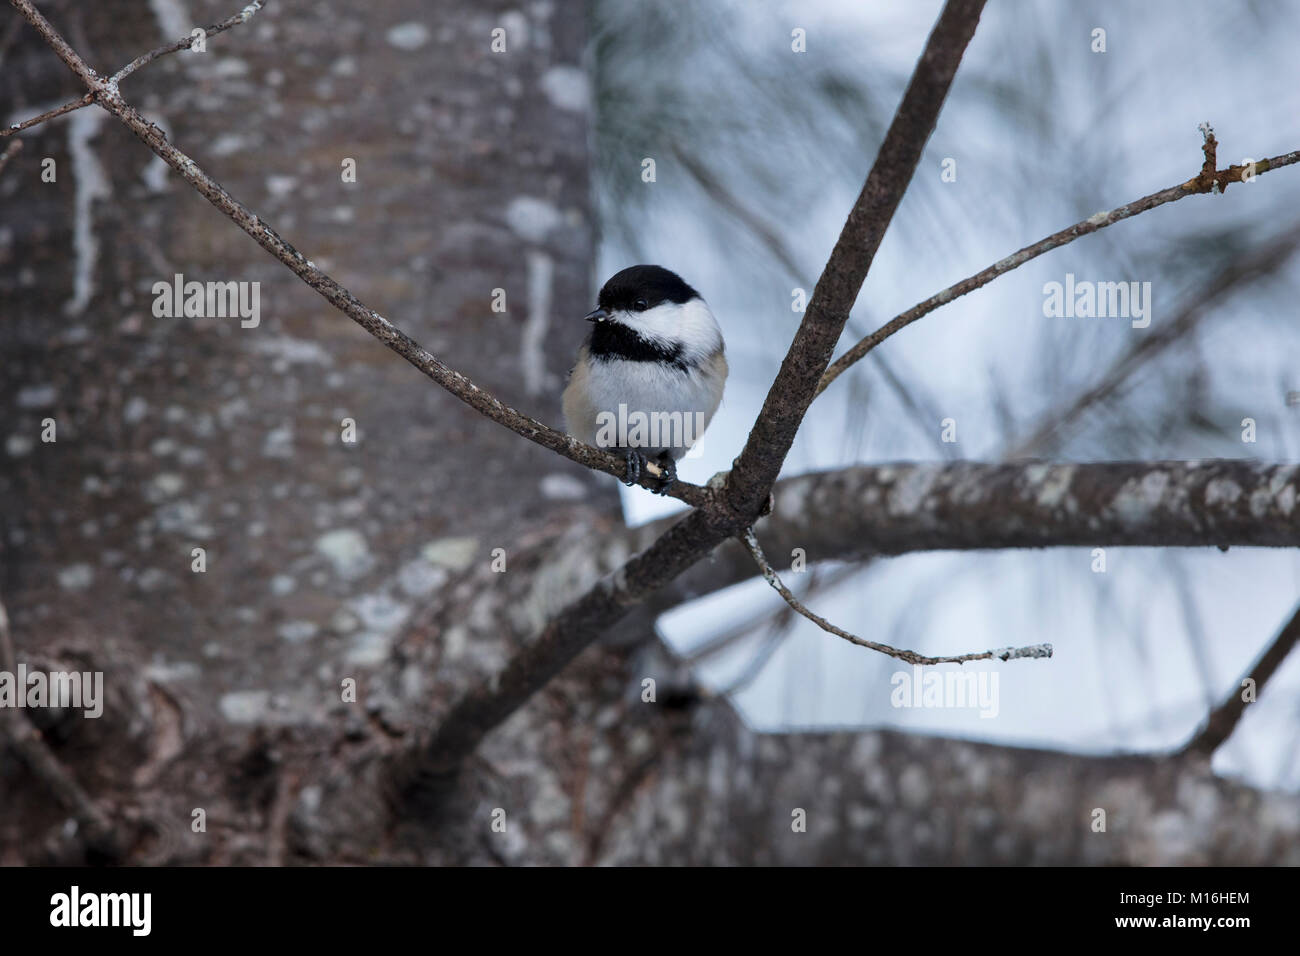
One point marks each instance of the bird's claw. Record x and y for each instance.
(669, 468)
(636, 464)
(635, 460)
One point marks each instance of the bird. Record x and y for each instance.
(650, 374)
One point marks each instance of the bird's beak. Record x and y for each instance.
(599, 315)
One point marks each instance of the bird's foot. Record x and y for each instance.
(635, 462)
(638, 464)
(669, 469)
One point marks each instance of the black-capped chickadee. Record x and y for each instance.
(650, 375)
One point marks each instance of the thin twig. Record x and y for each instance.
(1206, 181)
(626, 791)
(8, 662)
(14, 149)
(185, 41)
(48, 114)
(277, 843)
(777, 632)
(242, 16)
(911, 657)
(820, 578)
(1223, 719)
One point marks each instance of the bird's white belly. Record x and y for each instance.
(671, 407)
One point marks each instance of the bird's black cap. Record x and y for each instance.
(651, 285)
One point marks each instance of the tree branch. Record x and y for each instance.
(1205, 182)
(837, 289)
(855, 514)
(899, 509)
(242, 16)
(862, 512)
(1222, 721)
(902, 508)
(48, 115)
(911, 657)
(14, 149)
(97, 830)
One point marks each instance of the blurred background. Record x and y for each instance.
(522, 171)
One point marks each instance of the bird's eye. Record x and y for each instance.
(640, 305)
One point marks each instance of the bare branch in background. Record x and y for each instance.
(181, 44)
(820, 579)
(1205, 182)
(14, 149)
(1223, 719)
(48, 115)
(911, 657)
(1261, 262)
(773, 637)
(184, 42)
(1252, 266)
(8, 660)
(24, 738)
